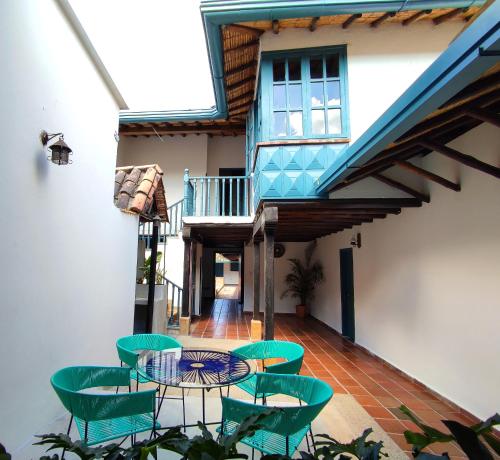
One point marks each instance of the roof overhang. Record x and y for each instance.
(217, 13)
(471, 54)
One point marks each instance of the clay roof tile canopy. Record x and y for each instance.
(139, 189)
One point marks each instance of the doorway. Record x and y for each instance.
(227, 273)
(230, 201)
(347, 293)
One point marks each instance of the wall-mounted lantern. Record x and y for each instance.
(356, 240)
(59, 150)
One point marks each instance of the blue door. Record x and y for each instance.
(347, 293)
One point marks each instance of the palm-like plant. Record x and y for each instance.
(304, 277)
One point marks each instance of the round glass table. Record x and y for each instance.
(193, 368)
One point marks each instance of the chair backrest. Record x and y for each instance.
(127, 346)
(69, 381)
(288, 419)
(292, 352)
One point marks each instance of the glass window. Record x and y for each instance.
(279, 124)
(279, 70)
(308, 94)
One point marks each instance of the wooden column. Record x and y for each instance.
(255, 324)
(265, 227)
(186, 284)
(268, 283)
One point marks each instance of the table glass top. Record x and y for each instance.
(193, 367)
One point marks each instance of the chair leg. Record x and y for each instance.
(67, 432)
(253, 453)
(312, 437)
(162, 397)
(287, 444)
(183, 410)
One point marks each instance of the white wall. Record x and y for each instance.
(231, 277)
(67, 272)
(281, 269)
(381, 62)
(426, 282)
(225, 152)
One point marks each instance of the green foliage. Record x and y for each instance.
(304, 277)
(360, 448)
(468, 438)
(4, 455)
(145, 270)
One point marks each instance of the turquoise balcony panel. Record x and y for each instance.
(292, 171)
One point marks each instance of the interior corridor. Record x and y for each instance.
(379, 388)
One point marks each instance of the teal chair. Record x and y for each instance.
(103, 417)
(292, 354)
(129, 347)
(283, 431)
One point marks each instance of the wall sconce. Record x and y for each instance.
(356, 240)
(59, 149)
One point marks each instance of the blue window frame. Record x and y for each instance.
(304, 93)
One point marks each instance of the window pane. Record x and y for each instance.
(332, 65)
(295, 96)
(294, 72)
(334, 123)
(279, 124)
(279, 96)
(316, 66)
(317, 96)
(296, 123)
(333, 92)
(318, 122)
(279, 70)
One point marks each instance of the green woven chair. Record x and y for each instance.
(103, 417)
(292, 353)
(283, 431)
(129, 346)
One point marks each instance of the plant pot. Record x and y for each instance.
(301, 311)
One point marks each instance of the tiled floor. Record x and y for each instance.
(348, 369)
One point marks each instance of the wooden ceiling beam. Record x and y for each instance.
(245, 29)
(241, 68)
(467, 160)
(415, 17)
(382, 18)
(350, 20)
(241, 97)
(484, 115)
(449, 15)
(404, 188)
(313, 25)
(428, 175)
(237, 84)
(245, 46)
(242, 105)
(180, 130)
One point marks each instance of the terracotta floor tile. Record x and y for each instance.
(378, 411)
(391, 425)
(365, 400)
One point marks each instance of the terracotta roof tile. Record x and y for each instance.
(139, 189)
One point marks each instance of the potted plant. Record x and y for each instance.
(302, 280)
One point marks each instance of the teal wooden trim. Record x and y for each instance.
(219, 12)
(267, 88)
(459, 65)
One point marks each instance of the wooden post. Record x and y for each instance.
(255, 324)
(152, 275)
(186, 285)
(268, 283)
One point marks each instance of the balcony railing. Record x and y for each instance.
(217, 195)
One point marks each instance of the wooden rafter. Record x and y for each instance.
(404, 188)
(243, 82)
(428, 175)
(192, 129)
(314, 24)
(449, 15)
(245, 46)
(467, 160)
(245, 29)
(382, 18)
(276, 26)
(241, 97)
(350, 20)
(415, 17)
(250, 65)
(484, 115)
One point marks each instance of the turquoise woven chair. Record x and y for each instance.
(103, 417)
(129, 346)
(283, 431)
(292, 354)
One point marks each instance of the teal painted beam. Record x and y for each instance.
(219, 12)
(459, 65)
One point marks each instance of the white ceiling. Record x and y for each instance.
(153, 49)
